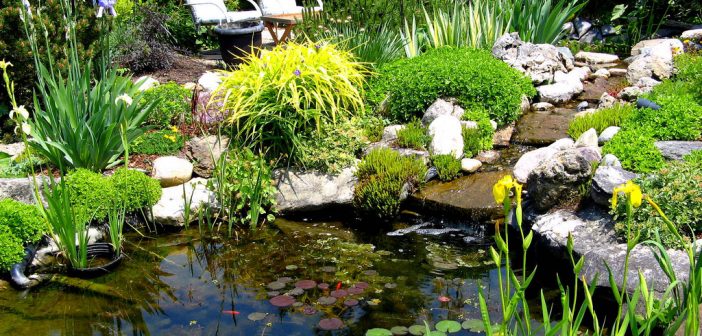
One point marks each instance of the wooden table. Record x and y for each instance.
(287, 21)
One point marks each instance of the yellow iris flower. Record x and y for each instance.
(4, 65)
(501, 189)
(631, 190)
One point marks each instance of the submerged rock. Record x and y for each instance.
(605, 180)
(312, 191)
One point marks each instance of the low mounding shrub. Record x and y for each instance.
(291, 91)
(137, 190)
(24, 220)
(11, 249)
(635, 150)
(679, 118)
(600, 120)
(478, 139)
(92, 195)
(447, 166)
(690, 72)
(411, 85)
(414, 135)
(172, 104)
(333, 149)
(161, 142)
(677, 188)
(382, 177)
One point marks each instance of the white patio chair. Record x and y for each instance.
(214, 12)
(277, 7)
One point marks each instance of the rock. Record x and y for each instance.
(606, 101)
(670, 43)
(608, 30)
(630, 93)
(439, 108)
(390, 133)
(559, 92)
(312, 191)
(493, 124)
(488, 157)
(646, 84)
(209, 81)
(470, 165)
(610, 160)
(592, 36)
(567, 55)
(446, 136)
(587, 139)
(694, 34)
(172, 171)
(581, 26)
(147, 82)
(542, 107)
(417, 154)
(605, 180)
(607, 134)
(617, 72)
(170, 209)
(469, 124)
(582, 106)
(502, 137)
(568, 28)
(190, 86)
(654, 61)
(602, 73)
(595, 58)
(204, 152)
(530, 160)
(559, 178)
(20, 189)
(524, 107)
(676, 150)
(594, 239)
(13, 149)
(538, 61)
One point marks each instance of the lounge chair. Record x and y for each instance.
(214, 12)
(278, 7)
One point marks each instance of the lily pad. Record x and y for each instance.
(284, 280)
(448, 326)
(370, 272)
(473, 325)
(328, 269)
(291, 267)
(351, 302)
(282, 301)
(326, 300)
(399, 330)
(378, 332)
(339, 293)
(309, 310)
(436, 333)
(390, 285)
(306, 284)
(275, 285)
(256, 316)
(323, 286)
(355, 290)
(273, 293)
(362, 285)
(331, 324)
(417, 330)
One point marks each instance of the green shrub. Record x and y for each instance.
(11, 249)
(24, 220)
(373, 127)
(163, 142)
(382, 176)
(92, 195)
(447, 166)
(136, 190)
(635, 150)
(677, 188)
(411, 85)
(333, 149)
(172, 105)
(414, 135)
(690, 72)
(694, 158)
(287, 93)
(478, 139)
(600, 119)
(679, 118)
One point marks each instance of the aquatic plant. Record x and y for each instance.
(70, 229)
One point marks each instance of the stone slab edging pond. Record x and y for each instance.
(312, 191)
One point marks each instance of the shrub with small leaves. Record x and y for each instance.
(447, 166)
(92, 195)
(11, 249)
(24, 220)
(173, 105)
(635, 150)
(478, 139)
(679, 118)
(334, 148)
(414, 135)
(134, 189)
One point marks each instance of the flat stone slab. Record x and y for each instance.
(593, 90)
(594, 238)
(543, 128)
(312, 191)
(676, 150)
(20, 189)
(469, 196)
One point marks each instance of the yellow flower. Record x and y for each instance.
(501, 189)
(170, 137)
(175, 129)
(4, 65)
(631, 190)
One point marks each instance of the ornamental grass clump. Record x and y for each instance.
(447, 166)
(600, 119)
(414, 135)
(477, 139)
(275, 100)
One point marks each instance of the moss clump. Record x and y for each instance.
(24, 220)
(414, 136)
(447, 167)
(383, 175)
(11, 249)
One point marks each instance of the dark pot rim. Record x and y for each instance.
(239, 27)
(98, 250)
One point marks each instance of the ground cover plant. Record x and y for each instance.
(383, 177)
(336, 147)
(414, 135)
(447, 166)
(635, 150)
(24, 220)
(477, 139)
(162, 142)
(600, 119)
(11, 249)
(411, 85)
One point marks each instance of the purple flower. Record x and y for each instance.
(297, 72)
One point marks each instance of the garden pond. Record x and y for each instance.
(349, 281)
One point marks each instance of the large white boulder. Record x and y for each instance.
(530, 160)
(595, 58)
(446, 136)
(172, 171)
(209, 81)
(442, 107)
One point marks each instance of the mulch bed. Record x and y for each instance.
(186, 68)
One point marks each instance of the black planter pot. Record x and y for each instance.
(98, 250)
(237, 39)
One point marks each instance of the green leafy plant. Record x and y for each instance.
(334, 148)
(11, 249)
(383, 176)
(409, 86)
(373, 127)
(24, 220)
(172, 105)
(447, 166)
(413, 135)
(372, 46)
(635, 150)
(600, 119)
(134, 190)
(163, 142)
(69, 228)
(542, 21)
(478, 139)
(91, 194)
(679, 118)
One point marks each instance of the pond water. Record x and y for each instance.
(188, 283)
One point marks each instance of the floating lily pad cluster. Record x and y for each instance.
(442, 328)
(446, 258)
